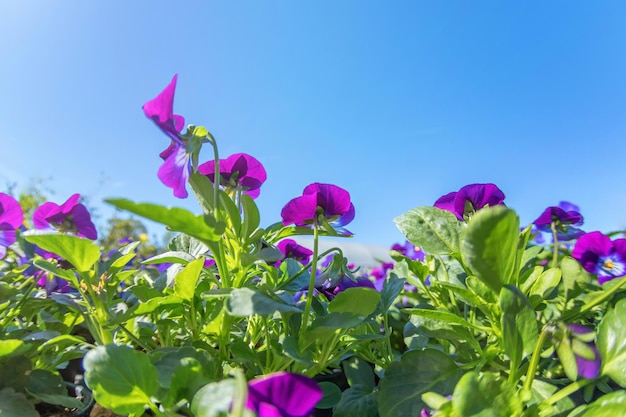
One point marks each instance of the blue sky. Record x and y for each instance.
(398, 102)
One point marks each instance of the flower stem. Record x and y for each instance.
(596, 301)
(568, 390)
(534, 360)
(309, 295)
(555, 238)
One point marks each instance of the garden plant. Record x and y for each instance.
(477, 315)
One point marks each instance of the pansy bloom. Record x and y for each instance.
(237, 172)
(291, 249)
(176, 167)
(470, 198)
(11, 218)
(69, 217)
(283, 394)
(600, 255)
(565, 218)
(320, 203)
(409, 250)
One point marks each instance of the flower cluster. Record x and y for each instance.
(471, 315)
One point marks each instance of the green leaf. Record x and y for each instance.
(358, 300)
(392, 287)
(358, 401)
(214, 399)
(15, 372)
(245, 302)
(358, 372)
(325, 326)
(485, 395)
(331, 395)
(251, 217)
(51, 389)
(177, 257)
(436, 231)
(80, 252)
(176, 219)
(611, 343)
(489, 245)
(519, 325)
(574, 277)
(11, 347)
(14, 404)
(202, 188)
(417, 371)
(122, 379)
(186, 280)
(545, 286)
(609, 405)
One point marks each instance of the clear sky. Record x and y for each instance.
(399, 102)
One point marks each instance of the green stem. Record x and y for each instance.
(555, 238)
(309, 295)
(534, 360)
(568, 390)
(605, 296)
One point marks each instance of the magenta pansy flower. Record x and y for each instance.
(600, 255)
(283, 394)
(565, 218)
(291, 249)
(176, 167)
(238, 171)
(588, 367)
(470, 198)
(330, 202)
(11, 218)
(69, 217)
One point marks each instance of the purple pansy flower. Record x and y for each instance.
(409, 250)
(326, 200)
(69, 217)
(588, 367)
(283, 394)
(174, 172)
(470, 198)
(291, 249)
(11, 218)
(565, 219)
(238, 171)
(600, 255)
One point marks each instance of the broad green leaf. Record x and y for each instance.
(417, 372)
(80, 252)
(434, 324)
(519, 325)
(325, 326)
(489, 245)
(51, 389)
(14, 372)
(214, 399)
(609, 405)
(485, 395)
(545, 286)
(11, 347)
(202, 188)
(251, 217)
(15, 404)
(244, 302)
(357, 401)
(356, 300)
(574, 277)
(611, 343)
(176, 219)
(436, 231)
(186, 280)
(331, 395)
(122, 379)
(178, 257)
(358, 372)
(168, 363)
(392, 287)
